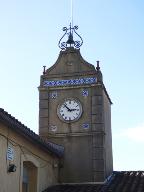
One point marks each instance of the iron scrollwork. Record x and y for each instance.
(71, 31)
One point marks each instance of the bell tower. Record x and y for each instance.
(75, 111)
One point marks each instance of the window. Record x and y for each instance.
(29, 183)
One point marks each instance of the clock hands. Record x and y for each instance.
(69, 108)
(73, 109)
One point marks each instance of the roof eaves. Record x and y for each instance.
(50, 147)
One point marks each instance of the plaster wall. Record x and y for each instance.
(24, 151)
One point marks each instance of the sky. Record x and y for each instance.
(113, 33)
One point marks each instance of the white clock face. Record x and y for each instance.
(70, 110)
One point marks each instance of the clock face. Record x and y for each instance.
(70, 110)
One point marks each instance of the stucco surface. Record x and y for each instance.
(24, 151)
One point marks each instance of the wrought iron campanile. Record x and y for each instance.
(71, 33)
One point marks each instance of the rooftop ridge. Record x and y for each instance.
(14, 123)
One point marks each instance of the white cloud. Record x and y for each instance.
(136, 133)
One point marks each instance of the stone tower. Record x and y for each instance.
(75, 111)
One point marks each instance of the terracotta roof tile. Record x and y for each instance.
(16, 125)
(125, 181)
(119, 181)
(74, 188)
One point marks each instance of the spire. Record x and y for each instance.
(70, 42)
(44, 70)
(98, 67)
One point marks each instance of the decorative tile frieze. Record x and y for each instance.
(69, 82)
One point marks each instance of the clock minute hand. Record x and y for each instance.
(67, 107)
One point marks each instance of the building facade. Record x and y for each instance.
(75, 112)
(27, 163)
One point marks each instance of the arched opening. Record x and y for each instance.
(29, 182)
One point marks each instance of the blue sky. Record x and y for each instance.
(113, 32)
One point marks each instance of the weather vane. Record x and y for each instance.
(71, 33)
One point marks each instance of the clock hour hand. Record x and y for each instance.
(67, 107)
(73, 109)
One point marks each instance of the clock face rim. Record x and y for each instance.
(62, 102)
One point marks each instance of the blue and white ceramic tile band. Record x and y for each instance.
(67, 82)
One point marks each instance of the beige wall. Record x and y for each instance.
(24, 151)
(108, 136)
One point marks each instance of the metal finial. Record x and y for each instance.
(71, 13)
(98, 67)
(71, 31)
(44, 70)
(70, 40)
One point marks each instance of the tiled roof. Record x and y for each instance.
(125, 181)
(17, 126)
(119, 181)
(75, 188)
